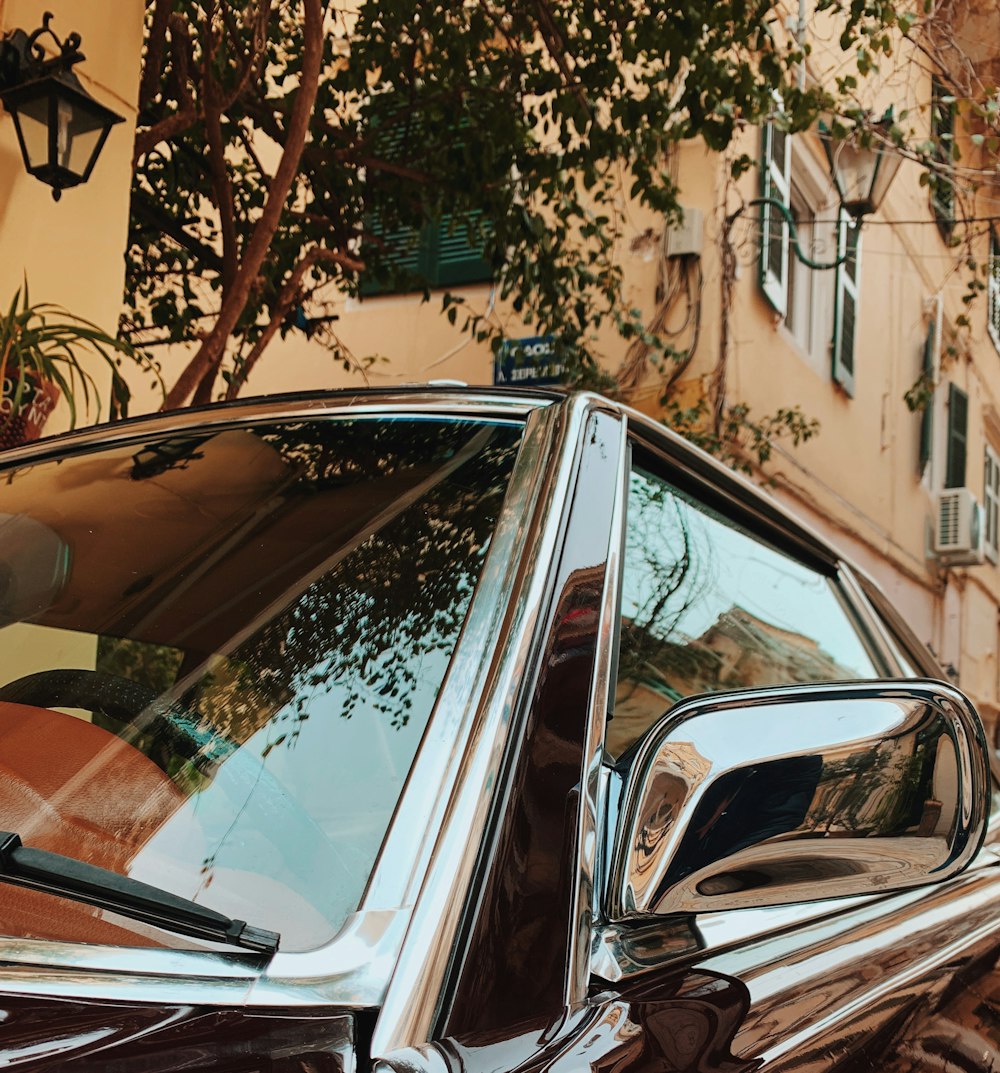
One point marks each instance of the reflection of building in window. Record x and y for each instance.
(738, 651)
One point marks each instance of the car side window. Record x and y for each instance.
(706, 606)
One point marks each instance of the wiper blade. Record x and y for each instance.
(38, 869)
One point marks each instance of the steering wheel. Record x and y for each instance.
(259, 799)
(131, 703)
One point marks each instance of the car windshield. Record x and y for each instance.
(219, 652)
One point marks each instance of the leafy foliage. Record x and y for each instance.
(530, 120)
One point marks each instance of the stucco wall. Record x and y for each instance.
(71, 251)
(858, 481)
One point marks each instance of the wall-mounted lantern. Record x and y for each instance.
(60, 127)
(861, 171)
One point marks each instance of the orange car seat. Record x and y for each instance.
(70, 787)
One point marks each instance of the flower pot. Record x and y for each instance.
(38, 400)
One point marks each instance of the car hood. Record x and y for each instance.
(42, 1033)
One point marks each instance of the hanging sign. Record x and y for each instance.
(527, 362)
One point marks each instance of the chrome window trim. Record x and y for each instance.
(298, 408)
(416, 990)
(436, 766)
(593, 805)
(873, 635)
(352, 970)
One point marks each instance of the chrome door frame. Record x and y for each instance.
(416, 992)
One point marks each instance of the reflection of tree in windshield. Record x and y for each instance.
(391, 585)
(667, 572)
(708, 607)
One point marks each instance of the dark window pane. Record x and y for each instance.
(942, 136)
(958, 419)
(776, 231)
(846, 340)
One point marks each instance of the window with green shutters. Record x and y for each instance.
(958, 437)
(943, 137)
(991, 502)
(442, 253)
(845, 309)
(445, 251)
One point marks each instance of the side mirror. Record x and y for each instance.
(796, 794)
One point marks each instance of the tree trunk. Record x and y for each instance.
(212, 350)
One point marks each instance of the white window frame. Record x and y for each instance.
(991, 502)
(801, 180)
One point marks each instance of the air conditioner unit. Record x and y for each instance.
(959, 531)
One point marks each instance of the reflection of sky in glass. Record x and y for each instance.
(303, 803)
(727, 568)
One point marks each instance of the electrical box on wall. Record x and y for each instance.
(685, 239)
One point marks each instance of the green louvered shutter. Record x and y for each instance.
(958, 436)
(845, 303)
(457, 258)
(404, 247)
(943, 138)
(775, 172)
(441, 253)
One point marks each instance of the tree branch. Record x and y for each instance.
(557, 50)
(156, 41)
(222, 187)
(152, 214)
(206, 361)
(289, 297)
(187, 111)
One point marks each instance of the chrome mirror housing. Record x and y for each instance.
(796, 794)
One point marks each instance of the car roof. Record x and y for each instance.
(708, 472)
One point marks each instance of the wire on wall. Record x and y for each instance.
(679, 285)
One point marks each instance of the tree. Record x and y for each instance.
(284, 145)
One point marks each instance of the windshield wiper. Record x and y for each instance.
(38, 869)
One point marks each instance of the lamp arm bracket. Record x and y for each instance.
(23, 57)
(69, 50)
(786, 213)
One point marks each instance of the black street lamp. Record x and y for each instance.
(860, 171)
(60, 127)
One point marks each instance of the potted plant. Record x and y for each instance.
(40, 349)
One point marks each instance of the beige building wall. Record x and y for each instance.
(71, 251)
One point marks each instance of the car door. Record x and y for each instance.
(674, 578)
